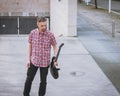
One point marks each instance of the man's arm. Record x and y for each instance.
(55, 49)
(29, 54)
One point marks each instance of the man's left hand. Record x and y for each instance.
(55, 63)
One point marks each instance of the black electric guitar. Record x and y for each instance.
(53, 69)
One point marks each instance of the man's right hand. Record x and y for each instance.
(28, 64)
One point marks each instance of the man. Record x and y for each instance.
(40, 41)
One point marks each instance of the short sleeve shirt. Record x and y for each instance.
(41, 47)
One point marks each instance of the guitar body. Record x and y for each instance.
(53, 70)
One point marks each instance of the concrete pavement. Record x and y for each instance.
(102, 19)
(115, 5)
(79, 74)
(98, 40)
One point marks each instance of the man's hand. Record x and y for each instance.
(55, 63)
(28, 64)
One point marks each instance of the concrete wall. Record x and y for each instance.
(24, 7)
(72, 17)
(58, 14)
(63, 15)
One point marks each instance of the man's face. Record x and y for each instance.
(42, 26)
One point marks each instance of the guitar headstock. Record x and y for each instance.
(61, 45)
(59, 50)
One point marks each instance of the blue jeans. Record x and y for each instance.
(31, 72)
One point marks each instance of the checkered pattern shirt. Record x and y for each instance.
(41, 47)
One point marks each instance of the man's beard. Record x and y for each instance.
(43, 30)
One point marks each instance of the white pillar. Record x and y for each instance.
(87, 1)
(18, 25)
(72, 17)
(63, 17)
(109, 6)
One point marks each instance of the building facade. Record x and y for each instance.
(19, 16)
(24, 7)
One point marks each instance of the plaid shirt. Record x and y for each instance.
(41, 47)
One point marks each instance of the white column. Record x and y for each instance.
(63, 15)
(18, 23)
(110, 6)
(72, 18)
(9, 13)
(87, 1)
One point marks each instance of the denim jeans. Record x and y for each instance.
(31, 72)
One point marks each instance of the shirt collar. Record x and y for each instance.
(44, 33)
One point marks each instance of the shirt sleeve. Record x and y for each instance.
(53, 40)
(30, 38)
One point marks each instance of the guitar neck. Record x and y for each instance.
(57, 54)
(59, 51)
